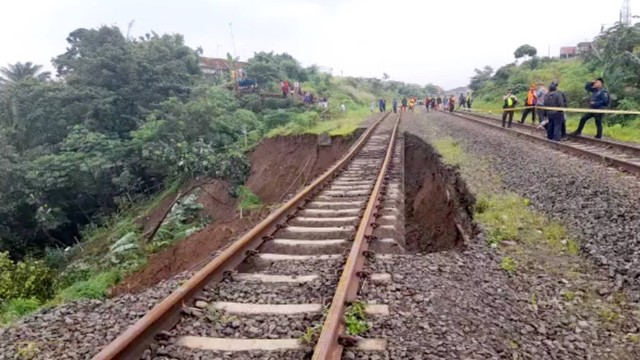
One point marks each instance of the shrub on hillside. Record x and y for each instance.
(307, 119)
(276, 103)
(24, 279)
(274, 118)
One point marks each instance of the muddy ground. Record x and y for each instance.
(437, 201)
(279, 167)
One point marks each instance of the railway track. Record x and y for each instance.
(623, 156)
(283, 288)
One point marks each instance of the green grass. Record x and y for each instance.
(27, 350)
(96, 287)
(99, 238)
(15, 308)
(508, 264)
(451, 151)
(508, 217)
(344, 125)
(628, 133)
(609, 315)
(569, 295)
(355, 320)
(633, 338)
(311, 335)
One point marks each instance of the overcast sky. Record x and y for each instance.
(415, 41)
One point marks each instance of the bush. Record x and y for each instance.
(306, 120)
(72, 274)
(94, 288)
(25, 279)
(251, 102)
(275, 103)
(272, 119)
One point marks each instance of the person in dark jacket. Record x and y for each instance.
(395, 105)
(381, 105)
(555, 99)
(599, 100)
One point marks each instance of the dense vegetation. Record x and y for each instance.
(125, 122)
(615, 55)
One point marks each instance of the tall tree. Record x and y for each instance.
(480, 78)
(17, 72)
(525, 50)
(137, 75)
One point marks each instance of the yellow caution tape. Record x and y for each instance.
(575, 110)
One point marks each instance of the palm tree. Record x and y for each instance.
(17, 72)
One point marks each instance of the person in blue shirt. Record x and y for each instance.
(599, 100)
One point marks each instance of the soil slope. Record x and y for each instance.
(279, 167)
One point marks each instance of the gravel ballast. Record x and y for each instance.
(79, 329)
(462, 305)
(600, 206)
(456, 304)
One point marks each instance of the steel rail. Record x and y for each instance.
(137, 338)
(613, 144)
(564, 147)
(328, 345)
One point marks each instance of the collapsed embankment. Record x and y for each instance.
(279, 167)
(438, 204)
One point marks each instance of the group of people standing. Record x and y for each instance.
(405, 104)
(448, 102)
(545, 104)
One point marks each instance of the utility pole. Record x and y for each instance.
(129, 28)
(625, 13)
(233, 41)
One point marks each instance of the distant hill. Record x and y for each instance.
(458, 90)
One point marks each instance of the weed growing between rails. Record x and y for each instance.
(538, 256)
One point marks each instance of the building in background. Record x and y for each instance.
(567, 52)
(216, 67)
(583, 47)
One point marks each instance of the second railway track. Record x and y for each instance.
(620, 155)
(289, 281)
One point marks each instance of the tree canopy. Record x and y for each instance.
(20, 72)
(525, 50)
(127, 115)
